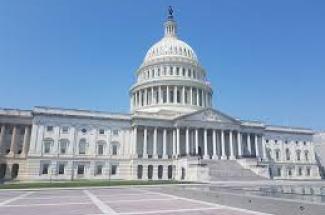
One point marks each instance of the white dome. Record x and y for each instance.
(170, 47)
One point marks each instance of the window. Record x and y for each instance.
(114, 170)
(82, 147)
(100, 149)
(308, 171)
(101, 131)
(115, 132)
(287, 154)
(63, 146)
(45, 169)
(99, 169)
(299, 171)
(298, 155)
(47, 146)
(65, 130)
(304, 143)
(114, 150)
(49, 128)
(81, 169)
(84, 130)
(289, 172)
(277, 154)
(306, 155)
(61, 169)
(279, 171)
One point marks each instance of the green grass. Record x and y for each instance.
(84, 183)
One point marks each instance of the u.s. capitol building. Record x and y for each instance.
(171, 132)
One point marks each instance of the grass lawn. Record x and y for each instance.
(84, 183)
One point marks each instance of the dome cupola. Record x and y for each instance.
(170, 77)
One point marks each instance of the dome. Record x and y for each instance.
(170, 47)
(170, 78)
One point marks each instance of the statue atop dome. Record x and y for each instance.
(170, 12)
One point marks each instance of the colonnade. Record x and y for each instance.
(15, 131)
(171, 94)
(154, 142)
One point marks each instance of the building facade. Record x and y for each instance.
(171, 132)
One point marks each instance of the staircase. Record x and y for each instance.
(229, 170)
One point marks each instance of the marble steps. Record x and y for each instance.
(222, 170)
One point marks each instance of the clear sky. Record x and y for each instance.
(265, 59)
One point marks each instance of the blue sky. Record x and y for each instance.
(265, 59)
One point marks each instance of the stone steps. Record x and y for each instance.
(222, 170)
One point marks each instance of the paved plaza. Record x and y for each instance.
(125, 201)
(222, 199)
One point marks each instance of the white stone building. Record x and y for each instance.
(172, 132)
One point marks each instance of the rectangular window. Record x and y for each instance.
(45, 169)
(49, 128)
(114, 169)
(308, 171)
(63, 147)
(99, 169)
(115, 132)
(81, 169)
(101, 131)
(100, 149)
(114, 149)
(61, 169)
(47, 147)
(65, 130)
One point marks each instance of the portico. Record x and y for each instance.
(221, 137)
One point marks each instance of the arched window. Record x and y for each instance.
(277, 154)
(114, 148)
(287, 154)
(82, 146)
(298, 155)
(100, 147)
(63, 144)
(48, 143)
(306, 155)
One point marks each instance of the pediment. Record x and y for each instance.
(208, 115)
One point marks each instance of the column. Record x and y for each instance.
(153, 98)
(203, 98)
(175, 95)
(140, 97)
(145, 97)
(155, 151)
(174, 143)
(197, 97)
(183, 95)
(187, 142)
(178, 141)
(214, 143)
(145, 149)
(26, 140)
(191, 95)
(167, 88)
(13, 141)
(240, 153)
(2, 135)
(223, 147)
(249, 145)
(264, 148)
(135, 140)
(160, 96)
(206, 155)
(165, 156)
(207, 103)
(232, 154)
(256, 147)
(196, 141)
